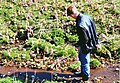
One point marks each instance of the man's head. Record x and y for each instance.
(72, 11)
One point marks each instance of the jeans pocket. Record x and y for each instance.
(85, 51)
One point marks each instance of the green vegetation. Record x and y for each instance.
(94, 63)
(15, 54)
(47, 20)
(9, 80)
(52, 82)
(74, 66)
(48, 33)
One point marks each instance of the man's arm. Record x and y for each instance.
(83, 37)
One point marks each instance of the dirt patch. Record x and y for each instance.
(108, 74)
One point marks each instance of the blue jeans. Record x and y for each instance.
(85, 63)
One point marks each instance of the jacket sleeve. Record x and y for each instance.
(93, 34)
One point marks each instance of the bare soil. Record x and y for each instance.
(109, 74)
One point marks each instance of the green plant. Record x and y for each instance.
(74, 66)
(46, 36)
(72, 38)
(30, 41)
(4, 40)
(61, 53)
(57, 32)
(5, 54)
(94, 63)
(58, 40)
(15, 54)
(52, 82)
(70, 50)
(103, 51)
(9, 80)
(114, 45)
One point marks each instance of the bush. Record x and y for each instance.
(52, 82)
(72, 38)
(59, 40)
(30, 41)
(15, 54)
(9, 80)
(94, 63)
(74, 66)
(4, 40)
(57, 32)
(61, 53)
(70, 50)
(104, 52)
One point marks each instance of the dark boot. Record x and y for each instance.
(79, 74)
(85, 78)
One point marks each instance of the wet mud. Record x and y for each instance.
(108, 74)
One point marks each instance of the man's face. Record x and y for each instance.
(73, 16)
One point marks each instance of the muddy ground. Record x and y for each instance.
(109, 74)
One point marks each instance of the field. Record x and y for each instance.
(38, 34)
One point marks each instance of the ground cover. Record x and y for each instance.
(39, 35)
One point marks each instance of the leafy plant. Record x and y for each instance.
(15, 54)
(57, 33)
(30, 41)
(61, 53)
(59, 40)
(103, 51)
(114, 44)
(46, 36)
(70, 50)
(9, 80)
(72, 38)
(94, 63)
(74, 66)
(52, 82)
(4, 40)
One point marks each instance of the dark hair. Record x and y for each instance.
(70, 10)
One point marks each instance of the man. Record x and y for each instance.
(88, 39)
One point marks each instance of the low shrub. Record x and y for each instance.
(71, 50)
(4, 40)
(52, 82)
(72, 38)
(9, 80)
(104, 52)
(74, 66)
(15, 54)
(59, 40)
(94, 63)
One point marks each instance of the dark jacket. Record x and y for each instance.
(86, 31)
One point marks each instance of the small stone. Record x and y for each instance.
(69, 76)
(8, 73)
(102, 65)
(2, 46)
(117, 69)
(64, 82)
(105, 77)
(33, 76)
(4, 75)
(101, 78)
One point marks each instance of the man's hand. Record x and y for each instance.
(98, 46)
(78, 48)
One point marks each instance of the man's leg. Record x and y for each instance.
(85, 65)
